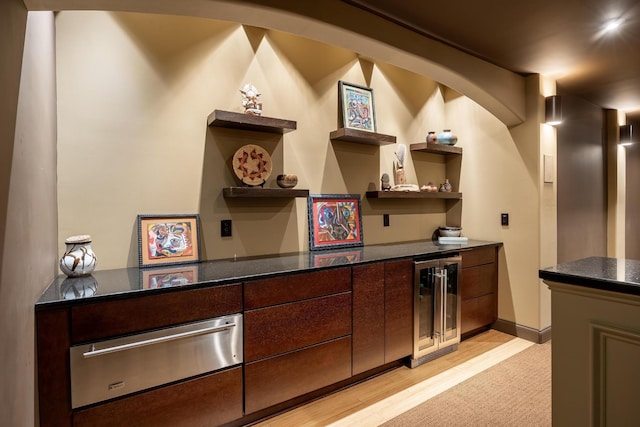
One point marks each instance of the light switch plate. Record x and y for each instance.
(548, 169)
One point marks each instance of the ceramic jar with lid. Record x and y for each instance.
(78, 259)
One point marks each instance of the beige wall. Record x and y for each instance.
(135, 91)
(29, 246)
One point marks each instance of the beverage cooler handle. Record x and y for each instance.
(443, 306)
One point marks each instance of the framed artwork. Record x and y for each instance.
(335, 221)
(168, 277)
(356, 107)
(168, 239)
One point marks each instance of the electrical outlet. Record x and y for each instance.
(225, 228)
(385, 220)
(504, 219)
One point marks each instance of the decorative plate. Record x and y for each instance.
(252, 165)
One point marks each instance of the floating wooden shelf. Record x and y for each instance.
(362, 137)
(430, 147)
(412, 195)
(229, 119)
(262, 193)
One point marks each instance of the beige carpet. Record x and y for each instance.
(515, 392)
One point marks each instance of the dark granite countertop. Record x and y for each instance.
(610, 274)
(122, 283)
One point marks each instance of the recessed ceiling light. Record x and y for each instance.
(612, 25)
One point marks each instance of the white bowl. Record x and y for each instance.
(450, 231)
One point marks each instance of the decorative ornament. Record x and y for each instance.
(252, 165)
(401, 155)
(78, 259)
(250, 100)
(384, 182)
(287, 180)
(447, 138)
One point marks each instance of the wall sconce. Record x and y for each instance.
(553, 110)
(626, 135)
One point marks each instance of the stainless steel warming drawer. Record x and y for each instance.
(108, 369)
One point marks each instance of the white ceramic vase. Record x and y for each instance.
(78, 259)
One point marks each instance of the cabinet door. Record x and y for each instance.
(368, 317)
(382, 313)
(211, 400)
(479, 287)
(278, 379)
(273, 330)
(398, 291)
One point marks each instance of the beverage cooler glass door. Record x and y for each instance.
(436, 305)
(426, 313)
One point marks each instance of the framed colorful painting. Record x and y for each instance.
(168, 239)
(335, 221)
(356, 107)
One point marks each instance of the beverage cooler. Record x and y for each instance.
(437, 299)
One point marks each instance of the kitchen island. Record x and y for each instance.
(595, 311)
(311, 322)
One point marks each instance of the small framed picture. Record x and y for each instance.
(168, 239)
(356, 107)
(335, 221)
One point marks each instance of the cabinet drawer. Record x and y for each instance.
(478, 312)
(206, 401)
(478, 281)
(296, 287)
(479, 256)
(112, 318)
(278, 329)
(278, 379)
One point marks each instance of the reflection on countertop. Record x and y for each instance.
(116, 282)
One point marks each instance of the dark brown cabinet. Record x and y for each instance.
(297, 335)
(215, 398)
(305, 333)
(382, 313)
(479, 285)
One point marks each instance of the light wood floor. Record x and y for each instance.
(386, 396)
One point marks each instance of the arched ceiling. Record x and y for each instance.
(500, 91)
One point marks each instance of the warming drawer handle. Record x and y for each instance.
(114, 349)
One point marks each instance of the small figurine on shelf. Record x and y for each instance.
(385, 186)
(400, 154)
(446, 186)
(250, 101)
(432, 137)
(429, 188)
